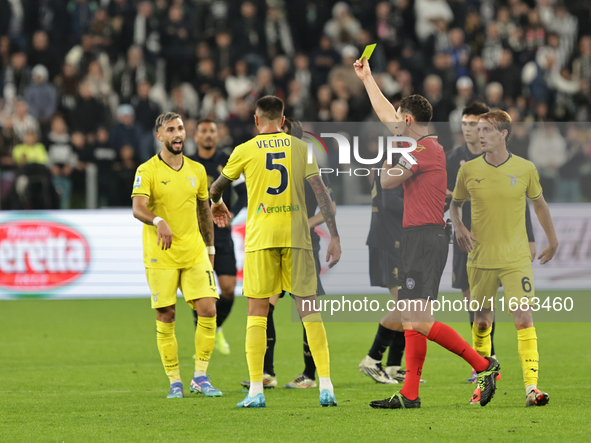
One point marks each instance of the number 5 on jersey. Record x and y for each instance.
(271, 165)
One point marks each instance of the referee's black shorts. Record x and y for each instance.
(423, 256)
(383, 267)
(459, 279)
(225, 260)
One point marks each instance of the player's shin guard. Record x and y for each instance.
(446, 337)
(256, 340)
(204, 342)
(416, 351)
(482, 341)
(169, 349)
(318, 343)
(527, 347)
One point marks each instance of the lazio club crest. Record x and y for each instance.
(513, 179)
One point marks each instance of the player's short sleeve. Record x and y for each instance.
(534, 189)
(142, 184)
(460, 193)
(235, 165)
(312, 168)
(202, 192)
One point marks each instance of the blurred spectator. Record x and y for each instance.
(184, 100)
(442, 68)
(323, 100)
(339, 110)
(122, 15)
(133, 72)
(278, 34)
(126, 171)
(323, 59)
(206, 78)
(250, 36)
(239, 84)
(302, 72)
(297, 103)
(493, 47)
(146, 110)
(22, 121)
(104, 157)
(494, 96)
(569, 190)
(389, 29)
(146, 32)
(67, 84)
(61, 159)
(225, 55)
(16, 77)
(41, 53)
(520, 139)
(433, 91)
(474, 31)
(342, 27)
(547, 149)
(344, 72)
(41, 96)
(81, 13)
(214, 106)
(508, 75)
(89, 113)
(427, 12)
(126, 133)
(582, 64)
(102, 30)
(30, 151)
(459, 51)
(100, 87)
(176, 46)
(438, 41)
(281, 75)
(81, 55)
(240, 122)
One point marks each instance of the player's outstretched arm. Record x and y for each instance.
(384, 109)
(333, 253)
(463, 235)
(205, 223)
(220, 213)
(143, 214)
(545, 219)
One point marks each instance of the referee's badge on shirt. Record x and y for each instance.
(405, 163)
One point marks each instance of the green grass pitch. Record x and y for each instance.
(89, 370)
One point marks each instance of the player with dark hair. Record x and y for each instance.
(498, 183)
(206, 136)
(424, 245)
(307, 379)
(170, 198)
(278, 250)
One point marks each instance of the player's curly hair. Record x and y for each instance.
(164, 118)
(500, 120)
(417, 106)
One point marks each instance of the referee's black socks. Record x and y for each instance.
(381, 342)
(223, 307)
(396, 349)
(270, 354)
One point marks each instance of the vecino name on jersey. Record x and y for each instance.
(274, 143)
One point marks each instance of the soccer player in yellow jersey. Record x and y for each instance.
(170, 197)
(497, 184)
(278, 249)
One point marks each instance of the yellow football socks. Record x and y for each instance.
(318, 343)
(204, 342)
(481, 340)
(169, 350)
(527, 347)
(256, 345)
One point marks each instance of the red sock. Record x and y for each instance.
(445, 336)
(416, 350)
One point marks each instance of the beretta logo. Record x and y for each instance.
(38, 255)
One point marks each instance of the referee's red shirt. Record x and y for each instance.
(424, 191)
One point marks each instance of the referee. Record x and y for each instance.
(214, 161)
(424, 243)
(470, 150)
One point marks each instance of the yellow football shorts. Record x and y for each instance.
(518, 282)
(268, 272)
(195, 282)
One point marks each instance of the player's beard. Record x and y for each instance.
(168, 145)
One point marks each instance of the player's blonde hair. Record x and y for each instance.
(500, 120)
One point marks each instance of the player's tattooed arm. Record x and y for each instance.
(218, 187)
(324, 204)
(205, 221)
(220, 213)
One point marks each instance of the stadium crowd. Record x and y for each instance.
(82, 81)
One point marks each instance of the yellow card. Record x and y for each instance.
(368, 51)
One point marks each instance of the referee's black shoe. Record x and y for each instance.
(487, 381)
(397, 401)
